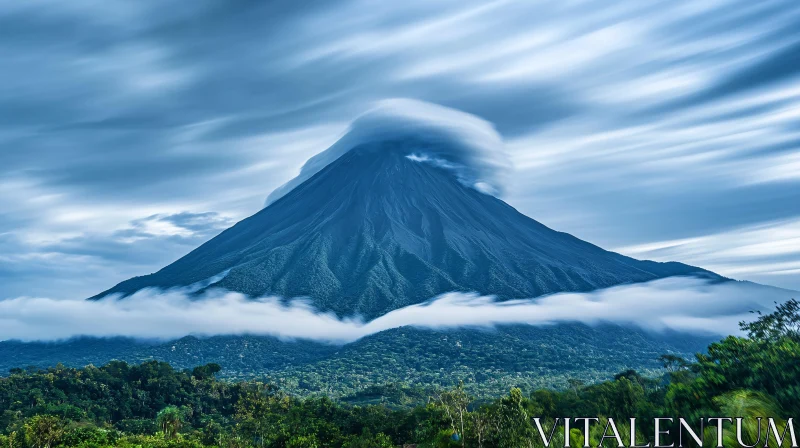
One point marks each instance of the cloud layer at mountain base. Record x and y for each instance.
(678, 303)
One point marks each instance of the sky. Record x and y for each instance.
(132, 132)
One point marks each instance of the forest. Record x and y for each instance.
(490, 361)
(155, 405)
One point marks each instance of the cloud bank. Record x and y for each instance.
(683, 304)
(469, 145)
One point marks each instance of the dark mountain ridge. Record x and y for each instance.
(376, 230)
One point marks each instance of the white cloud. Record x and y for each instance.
(781, 167)
(738, 252)
(570, 56)
(678, 303)
(472, 145)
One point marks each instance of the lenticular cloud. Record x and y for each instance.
(469, 144)
(684, 304)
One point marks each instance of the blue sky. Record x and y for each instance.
(131, 132)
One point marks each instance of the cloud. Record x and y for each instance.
(767, 250)
(79, 263)
(627, 124)
(469, 146)
(678, 303)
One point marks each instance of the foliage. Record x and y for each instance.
(784, 322)
(416, 361)
(154, 405)
(169, 420)
(43, 431)
(767, 361)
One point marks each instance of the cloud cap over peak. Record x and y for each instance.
(464, 143)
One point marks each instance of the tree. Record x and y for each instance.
(575, 385)
(749, 406)
(169, 421)
(261, 412)
(784, 322)
(43, 431)
(454, 403)
(481, 422)
(673, 363)
(206, 372)
(767, 361)
(302, 442)
(514, 425)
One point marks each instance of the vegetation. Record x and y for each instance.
(406, 359)
(154, 405)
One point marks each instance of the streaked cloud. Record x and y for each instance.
(765, 251)
(629, 123)
(76, 264)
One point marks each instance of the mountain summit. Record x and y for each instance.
(393, 220)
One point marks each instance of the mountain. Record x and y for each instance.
(488, 361)
(401, 209)
(384, 226)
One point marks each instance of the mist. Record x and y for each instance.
(684, 304)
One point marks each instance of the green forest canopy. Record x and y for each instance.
(154, 405)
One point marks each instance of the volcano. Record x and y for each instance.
(392, 220)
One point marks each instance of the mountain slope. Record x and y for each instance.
(375, 231)
(488, 361)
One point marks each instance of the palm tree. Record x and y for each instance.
(169, 421)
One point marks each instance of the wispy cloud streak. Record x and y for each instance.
(628, 123)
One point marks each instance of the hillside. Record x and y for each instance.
(490, 360)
